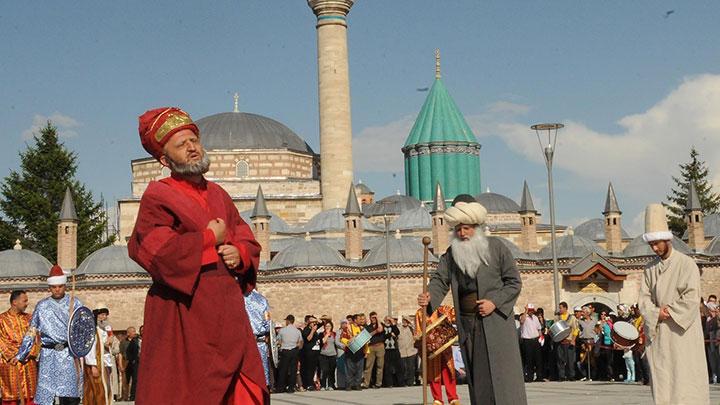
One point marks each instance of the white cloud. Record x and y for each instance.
(65, 124)
(377, 149)
(641, 158)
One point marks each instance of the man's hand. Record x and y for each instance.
(485, 307)
(217, 225)
(664, 313)
(230, 255)
(423, 300)
(13, 361)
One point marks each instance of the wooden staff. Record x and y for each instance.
(423, 317)
(21, 398)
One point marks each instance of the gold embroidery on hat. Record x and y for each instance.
(173, 121)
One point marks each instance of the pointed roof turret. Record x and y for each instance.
(260, 210)
(526, 202)
(693, 201)
(352, 207)
(611, 204)
(440, 119)
(67, 211)
(438, 199)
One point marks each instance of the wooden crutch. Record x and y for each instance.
(426, 243)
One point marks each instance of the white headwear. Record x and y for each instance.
(656, 227)
(465, 213)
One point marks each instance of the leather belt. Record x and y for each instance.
(57, 346)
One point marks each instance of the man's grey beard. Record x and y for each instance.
(190, 169)
(469, 254)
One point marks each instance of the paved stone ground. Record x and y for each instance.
(585, 393)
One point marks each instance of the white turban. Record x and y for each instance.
(656, 227)
(465, 213)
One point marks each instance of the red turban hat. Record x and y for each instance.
(158, 126)
(56, 276)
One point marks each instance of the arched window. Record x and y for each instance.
(241, 169)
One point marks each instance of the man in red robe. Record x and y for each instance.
(198, 345)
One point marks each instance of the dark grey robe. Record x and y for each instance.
(489, 345)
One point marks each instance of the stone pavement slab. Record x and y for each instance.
(554, 393)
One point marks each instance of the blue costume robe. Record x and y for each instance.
(57, 376)
(257, 306)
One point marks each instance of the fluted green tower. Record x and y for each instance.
(441, 148)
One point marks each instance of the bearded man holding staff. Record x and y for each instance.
(670, 301)
(198, 347)
(485, 284)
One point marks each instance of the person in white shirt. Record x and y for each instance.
(530, 345)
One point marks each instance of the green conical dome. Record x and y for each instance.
(441, 148)
(439, 120)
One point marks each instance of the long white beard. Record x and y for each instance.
(469, 254)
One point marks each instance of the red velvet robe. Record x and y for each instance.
(197, 337)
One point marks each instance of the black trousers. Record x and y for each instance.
(287, 370)
(327, 371)
(131, 372)
(308, 364)
(532, 359)
(409, 367)
(392, 371)
(606, 363)
(566, 361)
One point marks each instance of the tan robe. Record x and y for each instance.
(675, 346)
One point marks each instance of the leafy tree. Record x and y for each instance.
(6, 235)
(696, 171)
(31, 199)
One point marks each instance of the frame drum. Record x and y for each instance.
(624, 334)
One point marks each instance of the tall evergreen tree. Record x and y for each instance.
(32, 197)
(696, 171)
(6, 235)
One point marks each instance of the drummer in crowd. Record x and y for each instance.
(566, 348)
(57, 374)
(441, 368)
(354, 362)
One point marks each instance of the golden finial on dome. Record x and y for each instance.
(236, 97)
(437, 63)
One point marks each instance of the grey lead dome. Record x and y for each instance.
(238, 130)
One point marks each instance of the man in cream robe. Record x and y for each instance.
(670, 301)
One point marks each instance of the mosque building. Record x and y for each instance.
(328, 243)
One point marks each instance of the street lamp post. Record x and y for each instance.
(548, 153)
(386, 218)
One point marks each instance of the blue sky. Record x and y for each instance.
(635, 86)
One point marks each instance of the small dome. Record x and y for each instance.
(514, 249)
(396, 204)
(572, 246)
(497, 203)
(594, 229)
(416, 218)
(362, 188)
(306, 253)
(713, 248)
(276, 223)
(333, 220)
(237, 130)
(110, 260)
(23, 263)
(638, 247)
(711, 225)
(403, 250)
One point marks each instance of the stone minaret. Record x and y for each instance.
(440, 231)
(67, 234)
(613, 228)
(353, 227)
(336, 168)
(528, 222)
(694, 218)
(260, 218)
